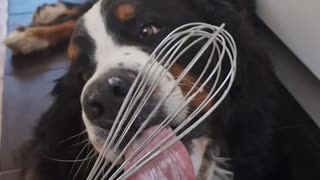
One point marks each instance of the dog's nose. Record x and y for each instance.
(104, 97)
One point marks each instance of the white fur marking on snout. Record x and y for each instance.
(24, 42)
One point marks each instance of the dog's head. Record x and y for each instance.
(111, 44)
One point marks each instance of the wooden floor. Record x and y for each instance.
(27, 84)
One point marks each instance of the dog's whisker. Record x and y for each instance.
(78, 156)
(68, 160)
(72, 137)
(89, 163)
(88, 157)
(81, 142)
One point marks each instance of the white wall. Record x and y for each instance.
(297, 24)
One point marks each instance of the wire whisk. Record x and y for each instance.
(209, 88)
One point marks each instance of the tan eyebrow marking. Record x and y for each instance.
(125, 11)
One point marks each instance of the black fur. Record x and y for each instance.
(252, 115)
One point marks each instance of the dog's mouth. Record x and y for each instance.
(173, 163)
(150, 163)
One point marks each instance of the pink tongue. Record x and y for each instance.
(173, 164)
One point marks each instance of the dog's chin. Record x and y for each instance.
(98, 139)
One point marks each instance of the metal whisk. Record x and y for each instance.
(222, 53)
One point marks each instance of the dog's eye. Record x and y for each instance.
(148, 30)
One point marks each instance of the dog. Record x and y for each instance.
(114, 38)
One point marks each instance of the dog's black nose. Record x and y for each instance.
(119, 87)
(103, 98)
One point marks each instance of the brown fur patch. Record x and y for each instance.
(53, 34)
(73, 51)
(125, 11)
(186, 85)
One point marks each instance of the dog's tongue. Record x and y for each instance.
(173, 164)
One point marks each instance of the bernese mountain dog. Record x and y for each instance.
(259, 129)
